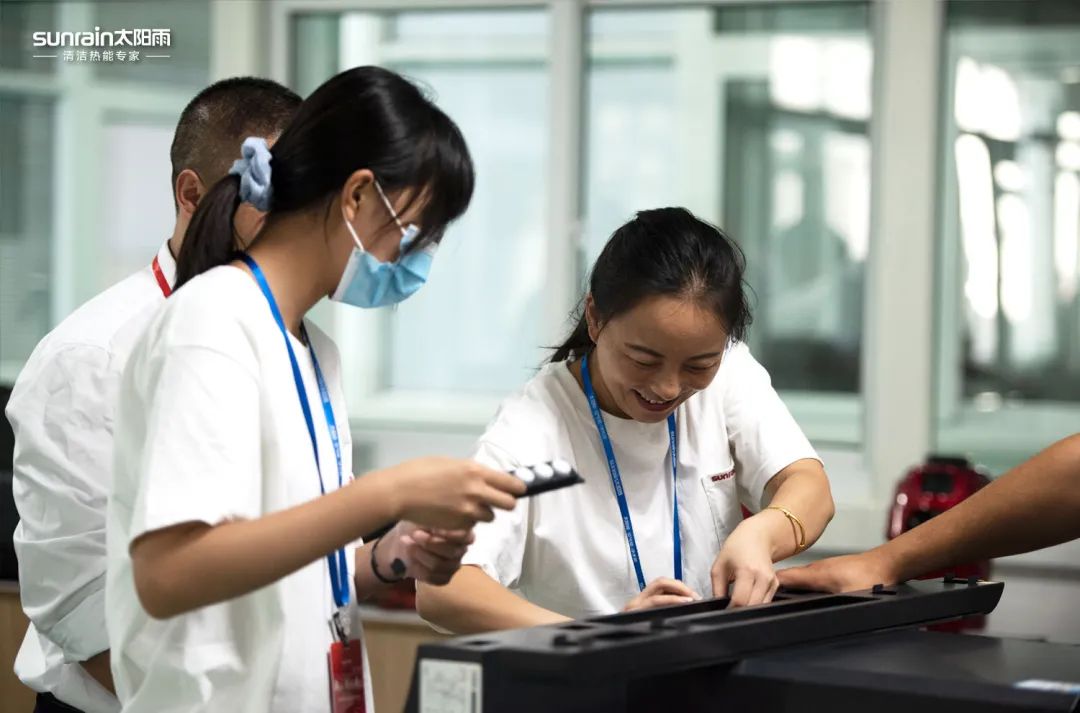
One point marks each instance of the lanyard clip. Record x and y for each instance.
(339, 626)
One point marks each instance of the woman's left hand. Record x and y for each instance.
(744, 568)
(431, 556)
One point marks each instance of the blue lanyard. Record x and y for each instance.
(339, 569)
(616, 479)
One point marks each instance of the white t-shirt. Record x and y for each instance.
(566, 550)
(210, 429)
(62, 410)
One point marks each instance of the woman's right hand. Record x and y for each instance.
(451, 493)
(662, 592)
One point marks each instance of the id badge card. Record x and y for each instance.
(346, 664)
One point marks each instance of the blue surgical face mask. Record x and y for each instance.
(368, 282)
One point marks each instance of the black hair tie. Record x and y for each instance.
(397, 567)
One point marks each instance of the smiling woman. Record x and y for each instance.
(689, 304)
(646, 382)
(671, 422)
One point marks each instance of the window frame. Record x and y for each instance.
(890, 442)
(997, 435)
(84, 105)
(904, 366)
(870, 439)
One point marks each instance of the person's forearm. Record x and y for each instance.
(182, 568)
(474, 602)
(1034, 505)
(803, 490)
(98, 668)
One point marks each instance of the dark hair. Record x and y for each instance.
(366, 117)
(666, 251)
(220, 117)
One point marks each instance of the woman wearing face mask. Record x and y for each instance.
(233, 519)
(661, 408)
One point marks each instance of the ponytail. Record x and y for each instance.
(406, 141)
(577, 344)
(210, 239)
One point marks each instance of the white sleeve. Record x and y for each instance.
(62, 416)
(500, 544)
(764, 436)
(201, 458)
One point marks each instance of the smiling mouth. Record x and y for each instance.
(653, 404)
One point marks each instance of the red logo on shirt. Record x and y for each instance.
(723, 476)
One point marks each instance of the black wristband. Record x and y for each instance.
(397, 566)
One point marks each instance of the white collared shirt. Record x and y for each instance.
(63, 410)
(567, 550)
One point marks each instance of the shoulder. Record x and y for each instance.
(739, 369)
(220, 311)
(738, 362)
(90, 344)
(541, 402)
(95, 324)
(532, 418)
(740, 375)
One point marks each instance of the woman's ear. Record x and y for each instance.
(591, 319)
(352, 192)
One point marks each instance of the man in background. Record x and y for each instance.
(62, 410)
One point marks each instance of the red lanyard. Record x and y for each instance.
(166, 288)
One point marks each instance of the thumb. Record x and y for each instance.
(721, 577)
(420, 537)
(674, 587)
(404, 527)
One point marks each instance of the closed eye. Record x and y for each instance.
(643, 364)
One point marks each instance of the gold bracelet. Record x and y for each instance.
(800, 536)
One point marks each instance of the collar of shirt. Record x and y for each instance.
(167, 263)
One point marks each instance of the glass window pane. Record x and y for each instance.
(1011, 219)
(138, 211)
(757, 119)
(481, 310)
(459, 25)
(185, 63)
(18, 23)
(27, 138)
(482, 307)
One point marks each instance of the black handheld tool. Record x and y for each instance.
(543, 477)
(538, 479)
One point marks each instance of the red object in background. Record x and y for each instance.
(928, 490)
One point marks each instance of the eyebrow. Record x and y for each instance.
(653, 352)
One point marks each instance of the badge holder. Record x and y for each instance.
(346, 662)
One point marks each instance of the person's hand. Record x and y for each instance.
(839, 574)
(431, 556)
(662, 592)
(743, 570)
(451, 493)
